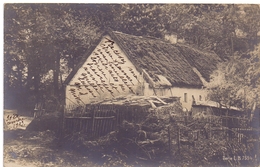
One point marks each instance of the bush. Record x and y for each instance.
(166, 137)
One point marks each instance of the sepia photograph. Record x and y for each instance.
(131, 85)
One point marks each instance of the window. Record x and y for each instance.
(193, 100)
(200, 97)
(185, 97)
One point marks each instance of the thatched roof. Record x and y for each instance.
(204, 62)
(175, 62)
(163, 63)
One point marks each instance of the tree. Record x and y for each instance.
(37, 36)
(141, 19)
(236, 82)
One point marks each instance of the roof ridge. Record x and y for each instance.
(167, 42)
(144, 37)
(196, 48)
(161, 52)
(160, 57)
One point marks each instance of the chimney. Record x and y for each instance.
(172, 38)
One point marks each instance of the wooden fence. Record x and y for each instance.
(43, 107)
(96, 124)
(98, 120)
(189, 129)
(39, 110)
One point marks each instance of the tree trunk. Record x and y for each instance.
(36, 82)
(232, 44)
(20, 91)
(30, 84)
(56, 75)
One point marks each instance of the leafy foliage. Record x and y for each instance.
(39, 37)
(236, 82)
(154, 142)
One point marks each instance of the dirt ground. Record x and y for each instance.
(24, 148)
(37, 148)
(32, 145)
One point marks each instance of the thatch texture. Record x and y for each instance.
(173, 61)
(204, 62)
(166, 64)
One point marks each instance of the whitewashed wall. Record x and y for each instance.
(198, 94)
(106, 73)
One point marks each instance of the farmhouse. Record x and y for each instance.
(123, 64)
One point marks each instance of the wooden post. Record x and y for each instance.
(93, 119)
(227, 127)
(237, 132)
(198, 134)
(209, 126)
(178, 140)
(245, 139)
(62, 123)
(240, 136)
(169, 140)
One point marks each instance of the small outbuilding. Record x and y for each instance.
(227, 115)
